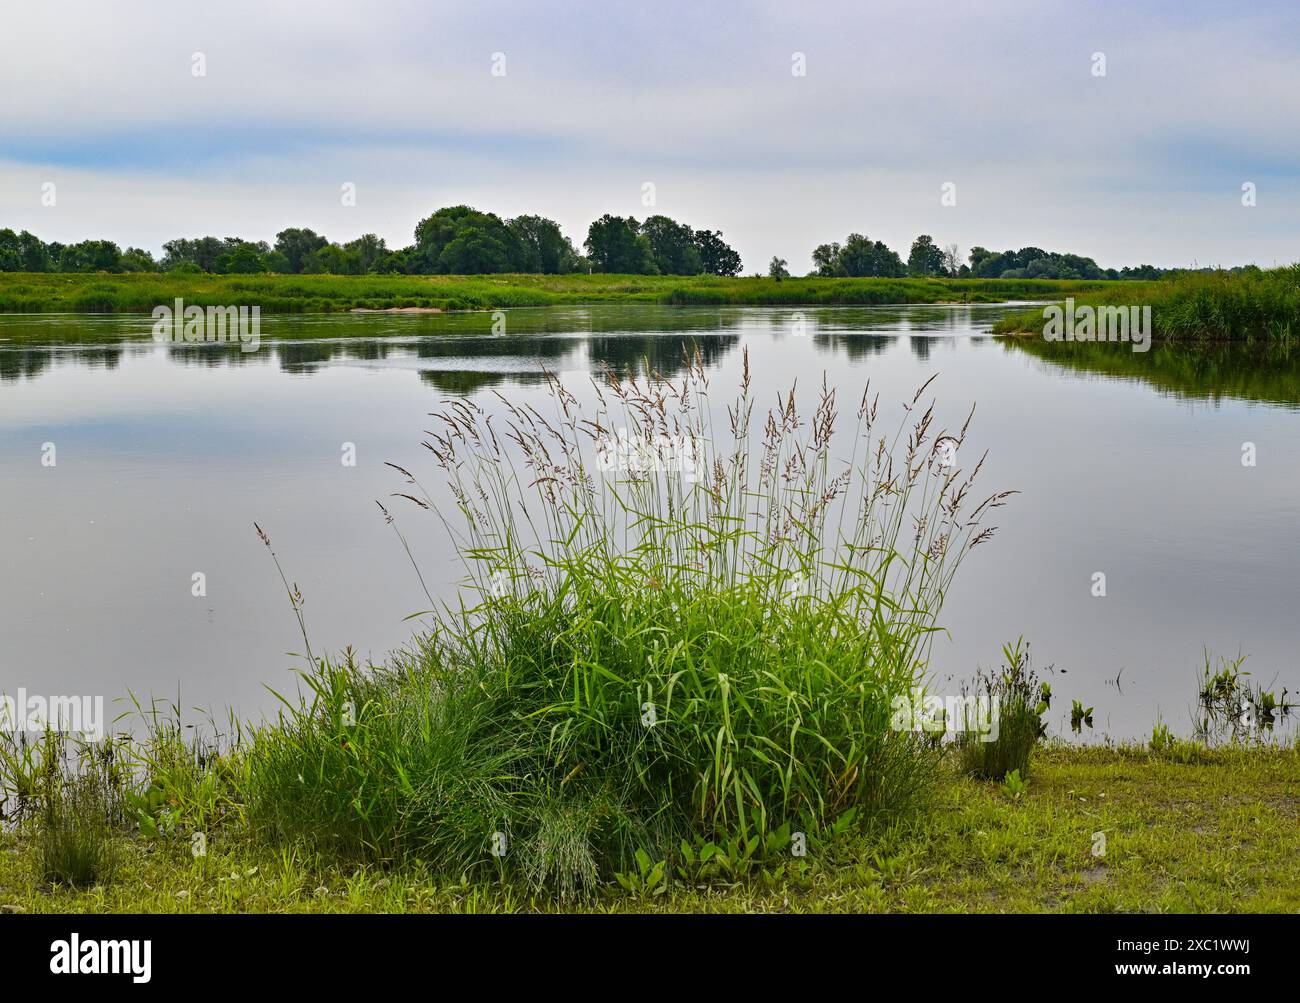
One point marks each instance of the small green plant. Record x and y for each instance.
(1014, 785)
(648, 878)
(1231, 708)
(1018, 701)
(1080, 716)
(1161, 738)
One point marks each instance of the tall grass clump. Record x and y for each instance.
(73, 798)
(1018, 701)
(671, 632)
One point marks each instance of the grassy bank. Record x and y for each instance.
(1246, 307)
(140, 293)
(1186, 831)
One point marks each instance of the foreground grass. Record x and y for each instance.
(1250, 307)
(1195, 831)
(140, 293)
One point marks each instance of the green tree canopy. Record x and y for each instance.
(459, 240)
(545, 248)
(296, 244)
(615, 244)
(926, 257)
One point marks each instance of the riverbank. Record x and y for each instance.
(1196, 308)
(140, 293)
(1192, 830)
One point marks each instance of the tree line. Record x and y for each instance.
(455, 240)
(859, 256)
(460, 240)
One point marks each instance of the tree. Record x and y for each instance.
(615, 244)
(673, 246)
(476, 251)
(545, 248)
(296, 244)
(777, 269)
(367, 251)
(952, 260)
(135, 259)
(861, 257)
(240, 257)
(483, 244)
(11, 259)
(716, 256)
(826, 257)
(91, 256)
(33, 255)
(202, 252)
(925, 258)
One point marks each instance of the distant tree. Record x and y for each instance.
(977, 257)
(459, 240)
(545, 248)
(276, 261)
(777, 269)
(716, 256)
(34, 255)
(365, 253)
(201, 251)
(11, 259)
(91, 256)
(475, 251)
(240, 257)
(615, 244)
(952, 263)
(135, 259)
(861, 257)
(296, 244)
(395, 262)
(826, 258)
(925, 258)
(672, 245)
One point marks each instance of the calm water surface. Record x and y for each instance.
(167, 454)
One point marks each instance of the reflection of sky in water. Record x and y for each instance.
(167, 454)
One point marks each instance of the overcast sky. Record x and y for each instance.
(1143, 164)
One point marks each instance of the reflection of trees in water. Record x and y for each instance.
(28, 363)
(855, 346)
(304, 356)
(542, 349)
(1207, 371)
(667, 355)
(213, 356)
(463, 382)
(920, 347)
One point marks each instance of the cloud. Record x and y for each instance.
(1144, 164)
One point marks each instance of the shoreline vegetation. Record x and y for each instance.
(688, 673)
(1194, 309)
(22, 292)
(1187, 829)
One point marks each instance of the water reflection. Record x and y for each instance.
(459, 353)
(1222, 371)
(167, 454)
